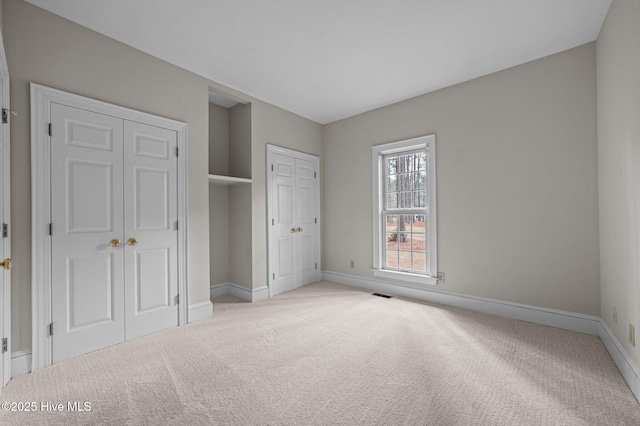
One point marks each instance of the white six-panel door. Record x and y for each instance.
(150, 218)
(113, 236)
(283, 211)
(87, 270)
(294, 235)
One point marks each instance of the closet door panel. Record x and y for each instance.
(282, 250)
(150, 229)
(87, 270)
(306, 219)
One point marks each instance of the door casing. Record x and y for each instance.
(41, 99)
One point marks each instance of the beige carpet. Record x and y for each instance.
(334, 355)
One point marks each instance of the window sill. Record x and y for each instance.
(405, 276)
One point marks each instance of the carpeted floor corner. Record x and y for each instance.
(328, 354)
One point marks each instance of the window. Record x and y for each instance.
(405, 210)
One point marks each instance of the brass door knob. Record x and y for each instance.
(6, 264)
(132, 241)
(293, 230)
(299, 230)
(115, 242)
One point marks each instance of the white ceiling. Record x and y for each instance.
(331, 59)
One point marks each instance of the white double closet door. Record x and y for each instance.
(114, 230)
(294, 209)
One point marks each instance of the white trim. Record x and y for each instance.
(248, 295)
(427, 142)
(259, 294)
(200, 311)
(219, 290)
(552, 317)
(5, 216)
(621, 358)
(405, 276)
(20, 363)
(41, 99)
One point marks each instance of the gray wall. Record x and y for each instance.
(516, 177)
(218, 195)
(618, 50)
(49, 50)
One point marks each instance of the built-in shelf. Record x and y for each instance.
(227, 180)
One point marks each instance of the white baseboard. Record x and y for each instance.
(199, 311)
(552, 317)
(20, 363)
(260, 293)
(219, 290)
(623, 361)
(249, 295)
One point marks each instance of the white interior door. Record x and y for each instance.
(5, 245)
(114, 230)
(294, 209)
(283, 211)
(87, 262)
(150, 229)
(100, 177)
(307, 234)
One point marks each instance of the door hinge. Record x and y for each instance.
(5, 345)
(177, 151)
(51, 229)
(315, 175)
(177, 299)
(273, 221)
(274, 275)
(50, 129)
(5, 230)
(316, 266)
(272, 167)
(51, 329)
(176, 225)
(316, 219)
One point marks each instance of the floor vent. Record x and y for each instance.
(382, 295)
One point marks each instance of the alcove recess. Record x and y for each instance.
(229, 191)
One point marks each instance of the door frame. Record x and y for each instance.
(5, 216)
(41, 99)
(271, 150)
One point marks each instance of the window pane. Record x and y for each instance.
(420, 161)
(392, 200)
(405, 163)
(392, 241)
(405, 259)
(392, 223)
(418, 223)
(391, 260)
(418, 242)
(420, 180)
(420, 199)
(404, 200)
(392, 167)
(404, 222)
(420, 262)
(406, 181)
(392, 183)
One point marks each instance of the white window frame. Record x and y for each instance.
(427, 143)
